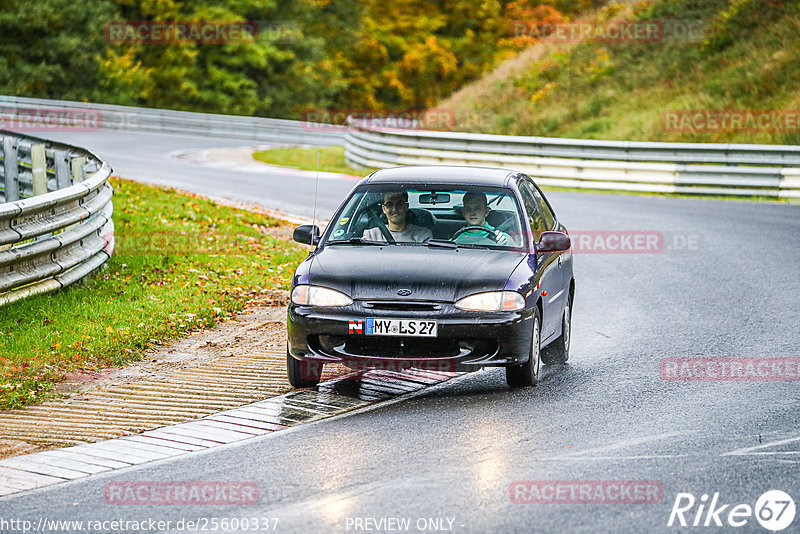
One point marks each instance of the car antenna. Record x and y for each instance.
(316, 188)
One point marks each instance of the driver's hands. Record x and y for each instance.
(500, 237)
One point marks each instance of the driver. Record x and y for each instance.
(474, 212)
(395, 207)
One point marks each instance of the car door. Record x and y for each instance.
(551, 282)
(561, 297)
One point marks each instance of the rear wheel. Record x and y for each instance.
(527, 374)
(558, 350)
(303, 373)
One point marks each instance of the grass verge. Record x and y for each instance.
(742, 198)
(181, 262)
(331, 159)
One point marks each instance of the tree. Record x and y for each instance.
(48, 48)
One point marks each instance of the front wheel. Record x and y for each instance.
(558, 351)
(303, 373)
(527, 374)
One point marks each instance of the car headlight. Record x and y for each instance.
(492, 301)
(306, 295)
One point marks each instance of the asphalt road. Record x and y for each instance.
(151, 158)
(725, 285)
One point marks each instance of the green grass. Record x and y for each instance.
(181, 263)
(331, 159)
(747, 57)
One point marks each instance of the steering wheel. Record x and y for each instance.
(374, 219)
(493, 234)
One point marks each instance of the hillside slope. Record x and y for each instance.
(740, 55)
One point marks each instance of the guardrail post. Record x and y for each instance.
(11, 169)
(78, 174)
(61, 159)
(38, 169)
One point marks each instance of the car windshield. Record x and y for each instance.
(432, 215)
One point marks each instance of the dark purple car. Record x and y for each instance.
(444, 268)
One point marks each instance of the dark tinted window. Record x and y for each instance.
(549, 218)
(535, 217)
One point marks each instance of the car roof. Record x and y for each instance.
(444, 174)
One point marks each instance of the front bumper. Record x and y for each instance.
(465, 341)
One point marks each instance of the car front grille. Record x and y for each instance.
(402, 347)
(394, 305)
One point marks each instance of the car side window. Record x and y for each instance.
(549, 218)
(535, 217)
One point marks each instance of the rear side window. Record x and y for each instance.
(532, 194)
(549, 218)
(535, 217)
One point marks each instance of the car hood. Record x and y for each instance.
(432, 274)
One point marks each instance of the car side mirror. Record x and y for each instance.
(307, 234)
(553, 242)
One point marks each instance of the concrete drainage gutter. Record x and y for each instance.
(221, 386)
(334, 397)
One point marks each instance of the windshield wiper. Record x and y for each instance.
(443, 243)
(447, 243)
(356, 241)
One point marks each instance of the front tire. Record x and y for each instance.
(558, 351)
(303, 373)
(527, 374)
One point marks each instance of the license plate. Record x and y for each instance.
(401, 327)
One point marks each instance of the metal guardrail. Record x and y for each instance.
(100, 116)
(689, 168)
(55, 215)
(686, 168)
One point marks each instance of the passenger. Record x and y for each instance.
(395, 207)
(474, 212)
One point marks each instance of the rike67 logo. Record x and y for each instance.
(774, 510)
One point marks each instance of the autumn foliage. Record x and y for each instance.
(307, 54)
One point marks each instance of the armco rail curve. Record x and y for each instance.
(55, 215)
(98, 116)
(686, 168)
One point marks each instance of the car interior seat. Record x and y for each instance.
(419, 216)
(500, 219)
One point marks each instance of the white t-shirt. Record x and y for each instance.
(410, 234)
